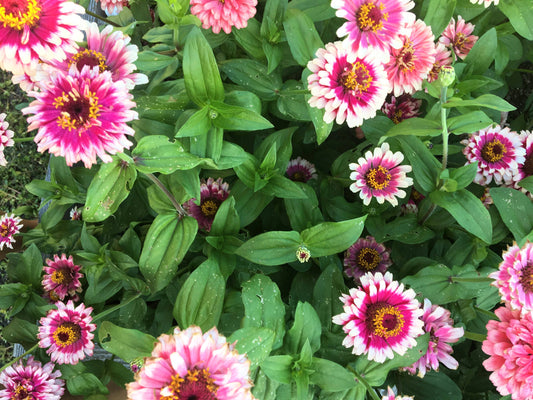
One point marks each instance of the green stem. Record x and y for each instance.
(369, 388)
(23, 139)
(115, 308)
(172, 199)
(445, 132)
(103, 19)
(19, 357)
(457, 279)
(476, 337)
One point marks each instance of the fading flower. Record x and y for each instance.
(486, 198)
(9, 227)
(458, 37)
(113, 6)
(62, 277)
(301, 170)
(402, 107)
(366, 255)
(212, 194)
(217, 14)
(442, 58)
(75, 214)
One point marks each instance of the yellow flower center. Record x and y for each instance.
(370, 18)
(66, 334)
(368, 258)
(19, 14)
(4, 230)
(88, 57)
(378, 178)
(385, 320)
(209, 207)
(397, 117)
(197, 384)
(21, 393)
(77, 109)
(61, 276)
(406, 58)
(357, 78)
(493, 151)
(526, 278)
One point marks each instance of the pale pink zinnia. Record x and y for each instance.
(6, 138)
(373, 25)
(410, 64)
(212, 194)
(301, 170)
(486, 3)
(82, 114)
(193, 365)
(459, 37)
(380, 318)
(223, 14)
(402, 107)
(37, 30)
(498, 152)
(113, 6)
(379, 175)
(32, 381)
(366, 255)
(62, 277)
(66, 333)
(442, 58)
(9, 227)
(350, 85)
(509, 345)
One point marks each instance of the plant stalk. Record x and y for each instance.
(31, 350)
(159, 184)
(369, 388)
(24, 139)
(445, 133)
(115, 308)
(103, 19)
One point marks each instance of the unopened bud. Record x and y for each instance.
(303, 254)
(446, 75)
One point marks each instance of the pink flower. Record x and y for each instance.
(380, 318)
(486, 3)
(82, 114)
(75, 214)
(6, 138)
(62, 277)
(525, 168)
(31, 382)
(350, 85)
(34, 30)
(391, 394)
(301, 170)
(458, 37)
(212, 194)
(509, 345)
(366, 255)
(113, 6)
(223, 14)
(193, 365)
(442, 58)
(402, 107)
(9, 227)
(410, 64)
(379, 175)
(373, 25)
(65, 333)
(498, 152)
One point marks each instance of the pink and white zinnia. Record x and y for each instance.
(380, 318)
(9, 227)
(350, 85)
(217, 15)
(194, 365)
(62, 277)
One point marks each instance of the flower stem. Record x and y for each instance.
(159, 184)
(103, 19)
(369, 388)
(445, 132)
(115, 308)
(23, 139)
(31, 350)
(457, 279)
(477, 337)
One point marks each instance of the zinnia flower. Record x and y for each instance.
(525, 168)
(301, 170)
(442, 58)
(192, 365)
(486, 3)
(380, 175)
(113, 6)
(9, 227)
(80, 115)
(439, 324)
(75, 214)
(31, 382)
(509, 345)
(391, 394)
(223, 14)
(62, 277)
(65, 333)
(6, 138)
(410, 64)
(212, 194)
(33, 30)
(366, 255)
(402, 107)
(373, 25)
(349, 85)
(498, 151)
(380, 318)
(458, 37)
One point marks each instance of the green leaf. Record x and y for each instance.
(201, 297)
(433, 382)
(467, 123)
(302, 36)
(516, 210)
(417, 127)
(271, 248)
(284, 188)
(282, 140)
(486, 100)
(249, 204)
(520, 14)
(256, 343)
(202, 78)
(20, 331)
(438, 15)
(127, 344)
(150, 61)
(278, 368)
(317, 10)
(527, 183)
(226, 220)
(330, 376)
(253, 76)
(197, 124)
(482, 54)
(425, 166)
(328, 288)
(85, 384)
(322, 128)
(304, 213)
(250, 39)
(109, 188)
(273, 54)
(306, 327)
(26, 267)
(467, 210)
(464, 175)
(235, 118)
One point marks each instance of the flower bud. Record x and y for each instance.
(446, 75)
(303, 254)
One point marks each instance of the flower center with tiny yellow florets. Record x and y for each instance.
(77, 110)
(21, 393)
(357, 78)
(66, 334)
(209, 207)
(493, 151)
(4, 230)
(368, 258)
(19, 14)
(61, 277)
(378, 178)
(397, 117)
(197, 385)
(88, 57)
(370, 18)
(406, 57)
(459, 41)
(385, 320)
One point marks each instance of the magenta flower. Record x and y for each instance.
(33, 30)
(458, 37)
(509, 345)
(9, 227)
(32, 381)
(525, 168)
(62, 277)
(373, 25)
(65, 333)
(301, 170)
(193, 365)
(217, 14)
(380, 318)
(379, 175)
(75, 214)
(350, 85)
(80, 115)
(113, 6)
(402, 107)
(212, 194)
(498, 152)
(442, 58)
(366, 255)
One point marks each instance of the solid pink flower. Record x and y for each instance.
(373, 25)
(212, 194)
(410, 64)
(402, 107)
(439, 324)
(350, 85)
(366, 255)
(392, 394)
(486, 3)
(379, 175)
(442, 58)
(380, 318)
(498, 152)
(9, 227)
(223, 14)
(301, 170)
(112, 6)
(62, 277)
(34, 30)
(32, 381)
(193, 365)
(509, 345)
(458, 37)
(65, 333)
(82, 114)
